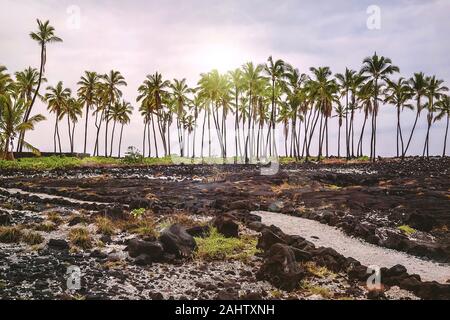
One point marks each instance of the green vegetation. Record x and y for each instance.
(81, 238)
(137, 213)
(407, 230)
(310, 289)
(318, 271)
(145, 226)
(217, 247)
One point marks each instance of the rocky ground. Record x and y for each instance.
(145, 233)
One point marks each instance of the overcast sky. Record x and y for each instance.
(184, 38)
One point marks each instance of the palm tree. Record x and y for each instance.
(252, 75)
(435, 90)
(276, 71)
(377, 69)
(44, 35)
(399, 93)
(341, 113)
(180, 92)
(26, 83)
(345, 84)
(152, 92)
(57, 99)
(443, 106)
(12, 113)
(87, 93)
(113, 81)
(72, 110)
(124, 118)
(418, 84)
(364, 96)
(237, 81)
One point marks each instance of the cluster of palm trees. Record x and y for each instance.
(256, 99)
(261, 98)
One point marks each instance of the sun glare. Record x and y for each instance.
(222, 57)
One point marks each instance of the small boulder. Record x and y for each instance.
(198, 231)
(226, 226)
(138, 247)
(5, 218)
(177, 241)
(59, 244)
(280, 268)
(276, 206)
(268, 239)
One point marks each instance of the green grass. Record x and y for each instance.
(318, 271)
(407, 230)
(310, 289)
(217, 247)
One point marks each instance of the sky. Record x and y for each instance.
(182, 39)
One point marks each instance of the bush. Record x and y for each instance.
(137, 213)
(133, 156)
(217, 247)
(80, 237)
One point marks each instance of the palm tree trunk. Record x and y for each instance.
(73, 137)
(413, 128)
(446, 133)
(86, 127)
(57, 133)
(120, 140)
(339, 141)
(154, 136)
(112, 138)
(143, 139)
(27, 114)
(203, 133)
(70, 133)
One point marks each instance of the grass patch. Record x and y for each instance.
(318, 271)
(54, 217)
(46, 226)
(407, 230)
(137, 213)
(105, 226)
(310, 289)
(217, 247)
(32, 238)
(81, 238)
(10, 234)
(144, 227)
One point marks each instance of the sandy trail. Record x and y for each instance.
(364, 252)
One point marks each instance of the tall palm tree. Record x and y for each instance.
(87, 93)
(341, 113)
(57, 98)
(345, 82)
(252, 75)
(180, 92)
(377, 69)
(124, 118)
(113, 81)
(44, 35)
(26, 83)
(152, 93)
(398, 94)
(443, 106)
(435, 90)
(276, 71)
(364, 96)
(418, 84)
(13, 109)
(72, 110)
(237, 81)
